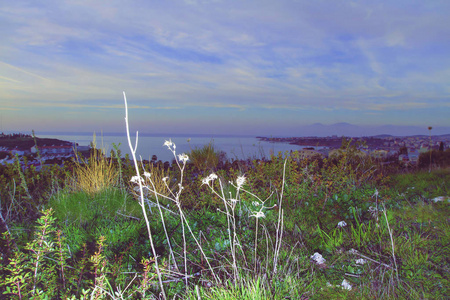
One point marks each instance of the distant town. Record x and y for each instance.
(384, 147)
(38, 151)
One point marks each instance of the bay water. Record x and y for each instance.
(235, 147)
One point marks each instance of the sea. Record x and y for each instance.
(235, 147)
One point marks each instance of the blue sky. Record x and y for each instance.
(217, 67)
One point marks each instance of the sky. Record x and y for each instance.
(223, 67)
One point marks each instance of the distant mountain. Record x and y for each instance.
(382, 136)
(342, 124)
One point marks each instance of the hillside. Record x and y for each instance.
(26, 142)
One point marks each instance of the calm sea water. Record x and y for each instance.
(234, 147)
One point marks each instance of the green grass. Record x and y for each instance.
(84, 217)
(314, 201)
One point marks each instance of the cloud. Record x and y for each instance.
(361, 57)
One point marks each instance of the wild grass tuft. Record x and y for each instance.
(205, 158)
(95, 173)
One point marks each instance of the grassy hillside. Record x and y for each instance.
(275, 229)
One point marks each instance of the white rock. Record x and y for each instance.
(440, 199)
(318, 258)
(346, 285)
(342, 224)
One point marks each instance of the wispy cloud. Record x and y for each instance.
(304, 56)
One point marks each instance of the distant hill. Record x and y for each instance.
(25, 143)
(382, 136)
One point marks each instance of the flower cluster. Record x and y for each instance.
(240, 181)
(136, 179)
(183, 157)
(169, 144)
(258, 214)
(210, 178)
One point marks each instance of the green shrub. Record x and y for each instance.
(84, 217)
(439, 159)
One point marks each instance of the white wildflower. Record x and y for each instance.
(255, 203)
(168, 143)
(183, 157)
(240, 181)
(135, 179)
(346, 285)
(258, 214)
(147, 174)
(318, 258)
(165, 179)
(342, 224)
(361, 261)
(210, 178)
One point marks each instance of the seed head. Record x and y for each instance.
(240, 181)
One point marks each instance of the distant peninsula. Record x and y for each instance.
(22, 141)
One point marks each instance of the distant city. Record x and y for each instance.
(384, 147)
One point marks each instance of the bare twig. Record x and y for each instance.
(142, 203)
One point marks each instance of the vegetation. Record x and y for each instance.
(27, 141)
(281, 228)
(206, 158)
